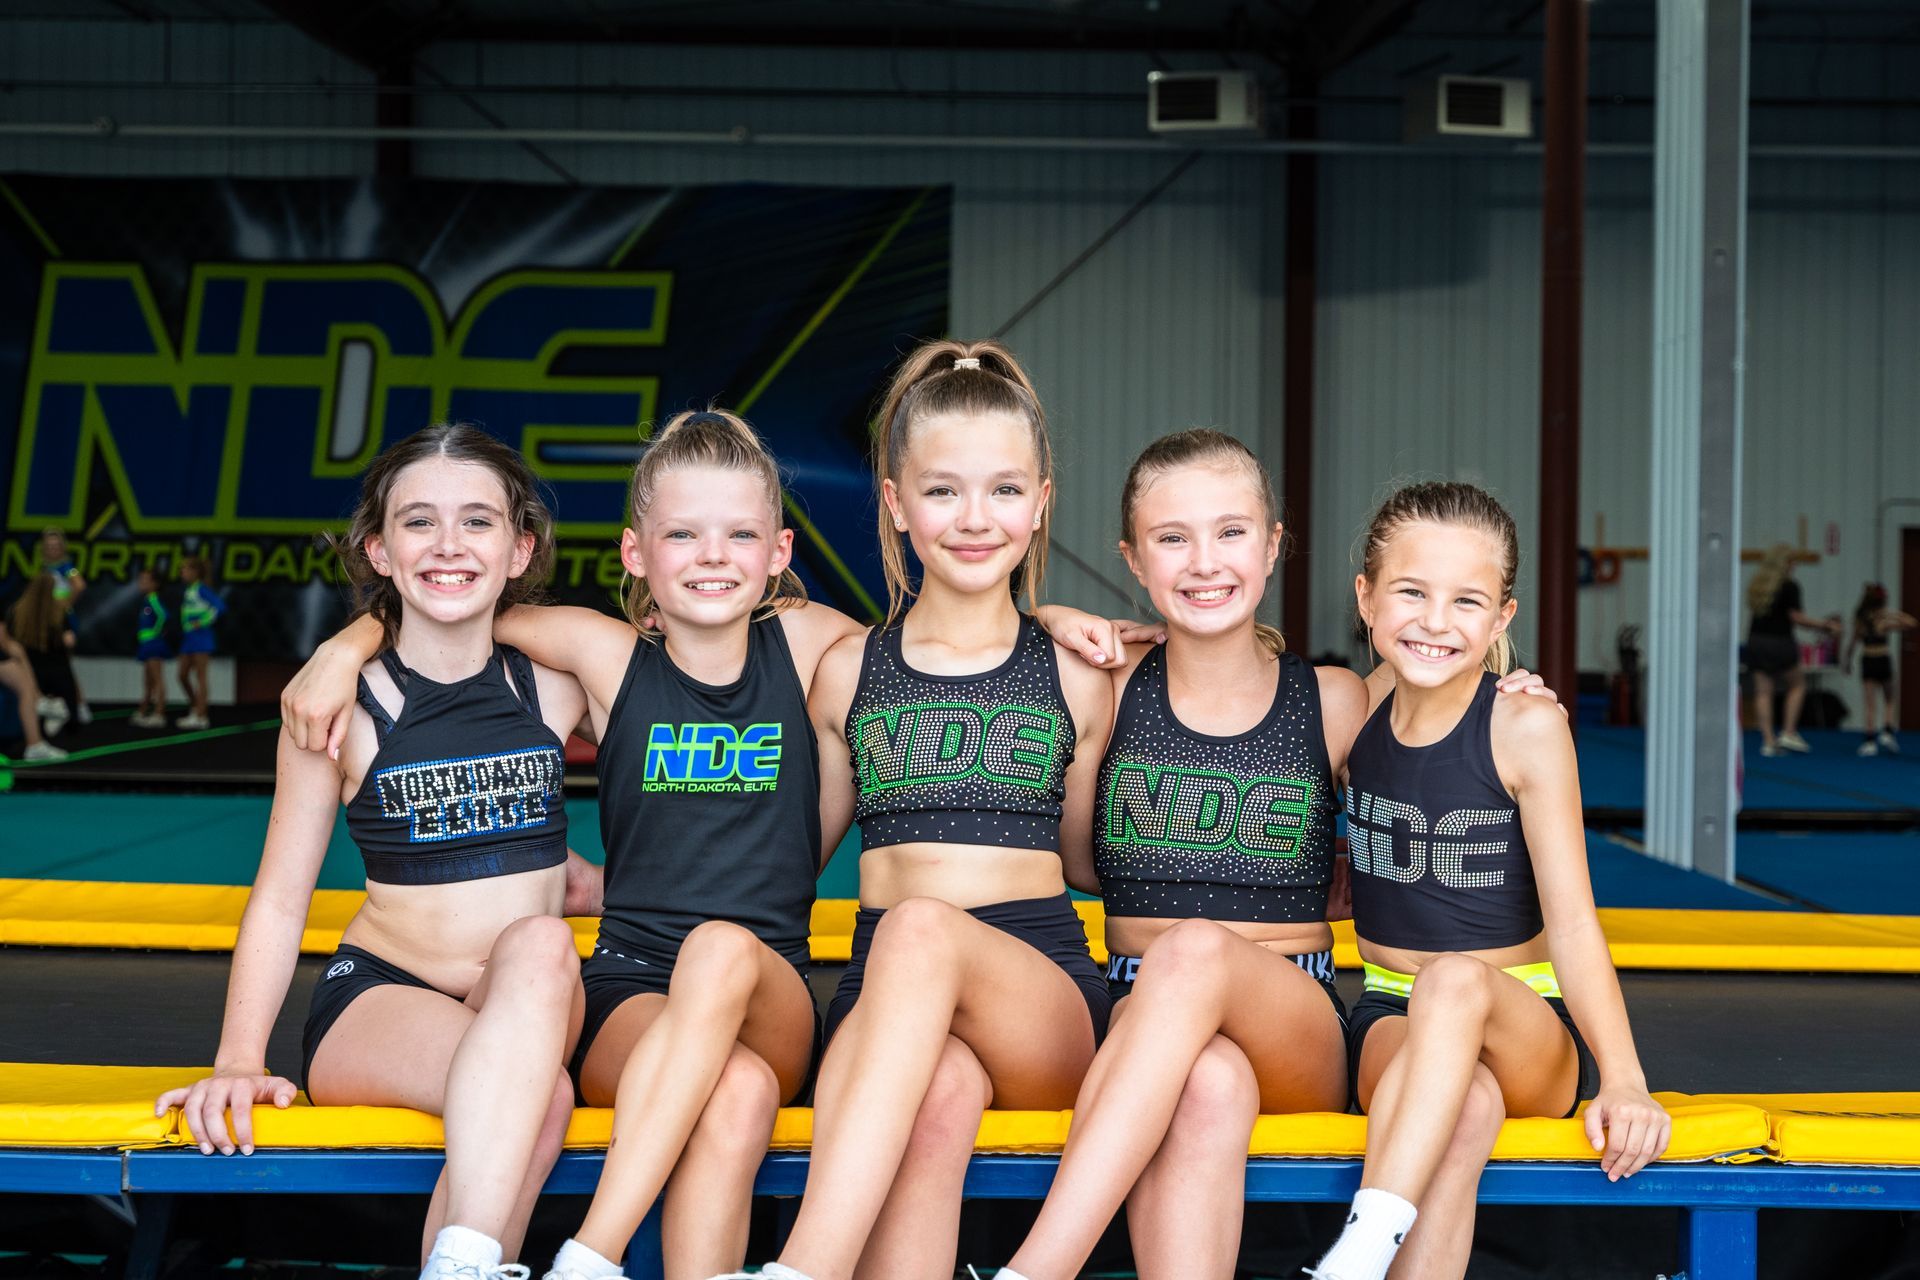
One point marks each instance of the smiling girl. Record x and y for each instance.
(1471, 901)
(456, 987)
(966, 749)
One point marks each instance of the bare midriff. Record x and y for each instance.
(1406, 960)
(1132, 935)
(443, 933)
(966, 875)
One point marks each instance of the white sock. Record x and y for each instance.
(777, 1271)
(467, 1245)
(1008, 1273)
(1377, 1225)
(575, 1259)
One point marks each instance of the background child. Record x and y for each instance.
(199, 607)
(1873, 624)
(153, 654)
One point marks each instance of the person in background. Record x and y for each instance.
(1772, 653)
(56, 557)
(17, 675)
(153, 654)
(1873, 624)
(199, 607)
(35, 623)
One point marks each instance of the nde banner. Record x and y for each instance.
(207, 366)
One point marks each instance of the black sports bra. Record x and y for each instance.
(466, 782)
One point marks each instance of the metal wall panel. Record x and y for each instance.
(1159, 330)
(156, 74)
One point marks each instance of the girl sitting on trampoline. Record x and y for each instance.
(456, 987)
(1470, 899)
(966, 748)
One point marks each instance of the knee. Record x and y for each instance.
(959, 1091)
(1190, 952)
(1221, 1089)
(718, 958)
(538, 949)
(1481, 1115)
(1452, 985)
(553, 1128)
(917, 925)
(740, 1110)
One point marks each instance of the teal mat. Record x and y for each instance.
(213, 839)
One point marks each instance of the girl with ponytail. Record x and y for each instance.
(965, 746)
(1487, 976)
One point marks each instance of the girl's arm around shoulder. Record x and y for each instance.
(1533, 750)
(563, 703)
(1090, 696)
(811, 629)
(591, 646)
(828, 701)
(317, 704)
(306, 796)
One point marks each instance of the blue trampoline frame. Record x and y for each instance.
(1719, 1203)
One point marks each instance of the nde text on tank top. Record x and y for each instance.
(1189, 824)
(968, 759)
(1439, 860)
(709, 800)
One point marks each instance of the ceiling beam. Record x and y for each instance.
(1337, 31)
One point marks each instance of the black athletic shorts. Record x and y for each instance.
(349, 972)
(614, 975)
(1049, 925)
(1318, 965)
(1877, 667)
(1375, 1005)
(1772, 655)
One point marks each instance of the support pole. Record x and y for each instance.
(1301, 289)
(1699, 281)
(1562, 201)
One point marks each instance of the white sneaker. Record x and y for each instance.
(1889, 742)
(43, 751)
(191, 721)
(570, 1274)
(1867, 748)
(1771, 752)
(83, 714)
(53, 715)
(1793, 742)
(440, 1267)
(147, 720)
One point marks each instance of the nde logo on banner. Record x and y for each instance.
(288, 379)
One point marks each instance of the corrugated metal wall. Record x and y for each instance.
(1429, 269)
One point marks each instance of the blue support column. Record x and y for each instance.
(1699, 268)
(1720, 1244)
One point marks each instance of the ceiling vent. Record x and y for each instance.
(1469, 107)
(1203, 101)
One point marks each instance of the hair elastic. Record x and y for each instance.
(967, 362)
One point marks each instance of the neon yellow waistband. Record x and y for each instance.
(1539, 976)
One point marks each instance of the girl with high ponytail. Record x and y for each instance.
(964, 743)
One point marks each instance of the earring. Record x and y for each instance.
(1036, 522)
(900, 526)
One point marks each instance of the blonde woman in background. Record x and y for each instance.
(1773, 654)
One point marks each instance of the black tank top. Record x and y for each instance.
(972, 759)
(1439, 860)
(466, 782)
(710, 800)
(1223, 828)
